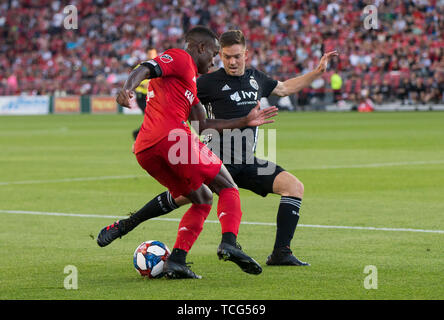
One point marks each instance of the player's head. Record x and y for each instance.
(151, 53)
(202, 44)
(233, 52)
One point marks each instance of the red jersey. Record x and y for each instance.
(169, 98)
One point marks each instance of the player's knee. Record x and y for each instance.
(205, 196)
(291, 187)
(296, 189)
(300, 187)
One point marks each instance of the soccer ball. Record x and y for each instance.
(149, 258)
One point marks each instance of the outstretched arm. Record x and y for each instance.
(256, 117)
(296, 84)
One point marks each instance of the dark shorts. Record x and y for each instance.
(257, 177)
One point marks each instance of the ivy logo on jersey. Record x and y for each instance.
(166, 58)
(254, 84)
(235, 97)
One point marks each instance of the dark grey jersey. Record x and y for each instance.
(229, 97)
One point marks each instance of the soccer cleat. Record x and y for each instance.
(176, 270)
(235, 254)
(284, 257)
(110, 233)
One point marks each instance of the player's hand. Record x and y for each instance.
(322, 67)
(258, 117)
(124, 97)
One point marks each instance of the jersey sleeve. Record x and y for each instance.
(267, 84)
(172, 62)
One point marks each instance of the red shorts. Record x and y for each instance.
(182, 165)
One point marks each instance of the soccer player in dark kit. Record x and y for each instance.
(232, 92)
(173, 77)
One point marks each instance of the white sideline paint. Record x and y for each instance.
(73, 179)
(351, 166)
(79, 215)
(374, 165)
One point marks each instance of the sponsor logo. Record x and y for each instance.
(239, 95)
(103, 105)
(226, 87)
(166, 58)
(235, 97)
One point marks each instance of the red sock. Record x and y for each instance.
(191, 225)
(229, 210)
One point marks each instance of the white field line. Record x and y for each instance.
(374, 165)
(350, 166)
(72, 179)
(215, 221)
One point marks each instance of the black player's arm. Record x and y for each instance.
(296, 84)
(146, 70)
(198, 116)
(256, 117)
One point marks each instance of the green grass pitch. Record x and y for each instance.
(380, 170)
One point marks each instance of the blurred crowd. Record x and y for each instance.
(402, 60)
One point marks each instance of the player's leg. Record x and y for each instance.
(153, 161)
(229, 214)
(291, 190)
(278, 181)
(164, 203)
(160, 205)
(190, 227)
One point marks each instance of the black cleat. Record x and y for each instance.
(284, 257)
(110, 233)
(176, 270)
(235, 254)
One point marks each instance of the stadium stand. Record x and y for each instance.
(402, 61)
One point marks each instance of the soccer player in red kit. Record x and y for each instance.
(172, 95)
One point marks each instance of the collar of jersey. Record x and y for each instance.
(235, 77)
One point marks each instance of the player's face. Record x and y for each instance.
(206, 60)
(151, 54)
(234, 58)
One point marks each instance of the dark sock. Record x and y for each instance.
(287, 220)
(158, 206)
(178, 255)
(229, 237)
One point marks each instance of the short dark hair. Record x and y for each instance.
(232, 37)
(200, 33)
